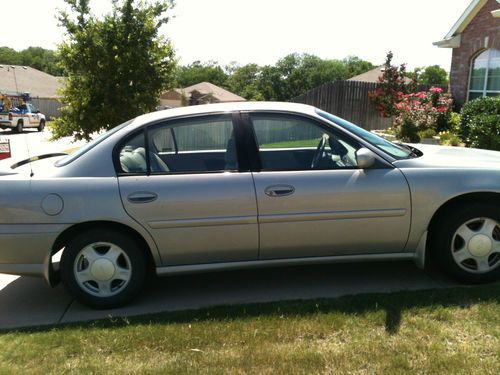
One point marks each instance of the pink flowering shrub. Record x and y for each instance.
(424, 111)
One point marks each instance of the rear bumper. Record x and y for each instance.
(26, 249)
(6, 124)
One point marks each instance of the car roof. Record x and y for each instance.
(222, 107)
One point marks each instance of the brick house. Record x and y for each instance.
(475, 40)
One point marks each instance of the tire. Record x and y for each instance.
(19, 127)
(466, 243)
(41, 126)
(103, 268)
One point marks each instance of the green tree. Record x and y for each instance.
(36, 57)
(296, 73)
(243, 81)
(270, 83)
(392, 84)
(201, 72)
(9, 56)
(356, 66)
(42, 59)
(116, 66)
(433, 75)
(290, 77)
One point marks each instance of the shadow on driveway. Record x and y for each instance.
(27, 302)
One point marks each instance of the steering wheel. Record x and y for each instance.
(319, 152)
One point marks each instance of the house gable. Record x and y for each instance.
(475, 31)
(453, 37)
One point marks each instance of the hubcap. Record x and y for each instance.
(476, 245)
(102, 269)
(480, 245)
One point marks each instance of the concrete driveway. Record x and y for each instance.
(26, 301)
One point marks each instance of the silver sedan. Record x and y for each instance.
(232, 186)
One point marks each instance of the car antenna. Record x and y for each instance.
(29, 155)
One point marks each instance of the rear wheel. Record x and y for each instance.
(467, 243)
(19, 127)
(103, 268)
(41, 126)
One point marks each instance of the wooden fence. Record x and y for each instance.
(349, 100)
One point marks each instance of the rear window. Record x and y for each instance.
(89, 146)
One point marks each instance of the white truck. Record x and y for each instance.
(17, 113)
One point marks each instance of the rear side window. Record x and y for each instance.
(199, 145)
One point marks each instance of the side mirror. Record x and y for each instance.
(365, 158)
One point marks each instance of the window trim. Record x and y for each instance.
(484, 92)
(166, 122)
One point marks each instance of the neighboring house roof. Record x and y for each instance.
(16, 78)
(452, 39)
(369, 76)
(372, 75)
(218, 93)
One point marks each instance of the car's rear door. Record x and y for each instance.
(331, 207)
(196, 200)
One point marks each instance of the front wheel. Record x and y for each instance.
(103, 268)
(467, 243)
(41, 126)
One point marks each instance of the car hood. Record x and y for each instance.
(451, 157)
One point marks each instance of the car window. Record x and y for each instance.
(390, 148)
(203, 144)
(132, 155)
(89, 146)
(288, 142)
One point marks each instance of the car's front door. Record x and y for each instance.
(34, 117)
(194, 200)
(313, 200)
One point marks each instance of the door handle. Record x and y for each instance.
(142, 197)
(279, 190)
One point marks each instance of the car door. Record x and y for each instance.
(34, 118)
(312, 198)
(185, 185)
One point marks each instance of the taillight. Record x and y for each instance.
(10, 117)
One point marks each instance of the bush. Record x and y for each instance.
(480, 123)
(449, 139)
(427, 133)
(454, 122)
(420, 113)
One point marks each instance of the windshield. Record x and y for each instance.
(390, 148)
(82, 150)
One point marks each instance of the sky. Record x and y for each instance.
(263, 31)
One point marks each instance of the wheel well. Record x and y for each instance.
(76, 229)
(461, 200)
(454, 203)
(20, 121)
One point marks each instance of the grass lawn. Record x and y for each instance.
(450, 331)
(293, 144)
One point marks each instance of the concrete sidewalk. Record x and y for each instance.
(26, 302)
